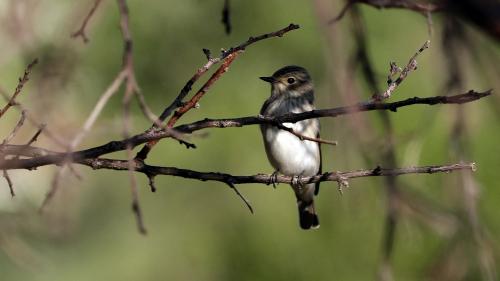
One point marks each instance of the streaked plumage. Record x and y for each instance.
(292, 91)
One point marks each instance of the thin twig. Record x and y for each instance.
(303, 137)
(23, 80)
(226, 17)
(9, 182)
(89, 122)
(247, 203)
(202, 70)
(152, 184)
(192, 103)
(178, 101)
(123, 75)
(131, 88)
(393, 84)
(54, 187)
(34, 138)
(14, 131)
(81, 31)
(203, 90)
(386, 156)
(34, 121)
(96, 111)
(136, 208)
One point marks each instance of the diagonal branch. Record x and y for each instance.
(202, 70)
(403, 73)
(227, 57)
(81, 31)
(14, 131)
(143, 153)
(23, 80)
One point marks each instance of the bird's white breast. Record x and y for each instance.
(286, 152)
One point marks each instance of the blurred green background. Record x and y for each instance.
(201, 230)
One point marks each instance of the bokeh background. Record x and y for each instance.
(201, 230)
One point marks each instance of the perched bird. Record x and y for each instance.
(292, 91)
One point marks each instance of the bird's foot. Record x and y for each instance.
(297, 182)
(273, 179)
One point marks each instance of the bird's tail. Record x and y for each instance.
(307, 215)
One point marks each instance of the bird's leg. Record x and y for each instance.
(274, 178)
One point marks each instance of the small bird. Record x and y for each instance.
(292, 91)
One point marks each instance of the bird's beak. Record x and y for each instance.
(268, 79)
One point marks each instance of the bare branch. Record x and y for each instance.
(36, 135)
(23, 80)
(152, 184)
(153, 171)
(51, 135)
(96, 111)
(394, 69)
(14, 131)
(46, 158)
(333, 112)
(136, 208)
(423, 8)
(81, 31)
(9, 182)
(226, 56)
(54, 187)
(303, 137)
(122, 165)
(247, 203)
(226, 17)
(202, 70)
(192, 103)
(131, 88)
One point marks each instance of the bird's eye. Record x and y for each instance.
(291, 80)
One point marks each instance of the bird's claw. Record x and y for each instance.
(274, 179)
(297, 181)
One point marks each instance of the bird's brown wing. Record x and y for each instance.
(316, 189)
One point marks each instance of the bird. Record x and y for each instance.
(292, 91)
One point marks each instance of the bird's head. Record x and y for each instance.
(292, 80)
